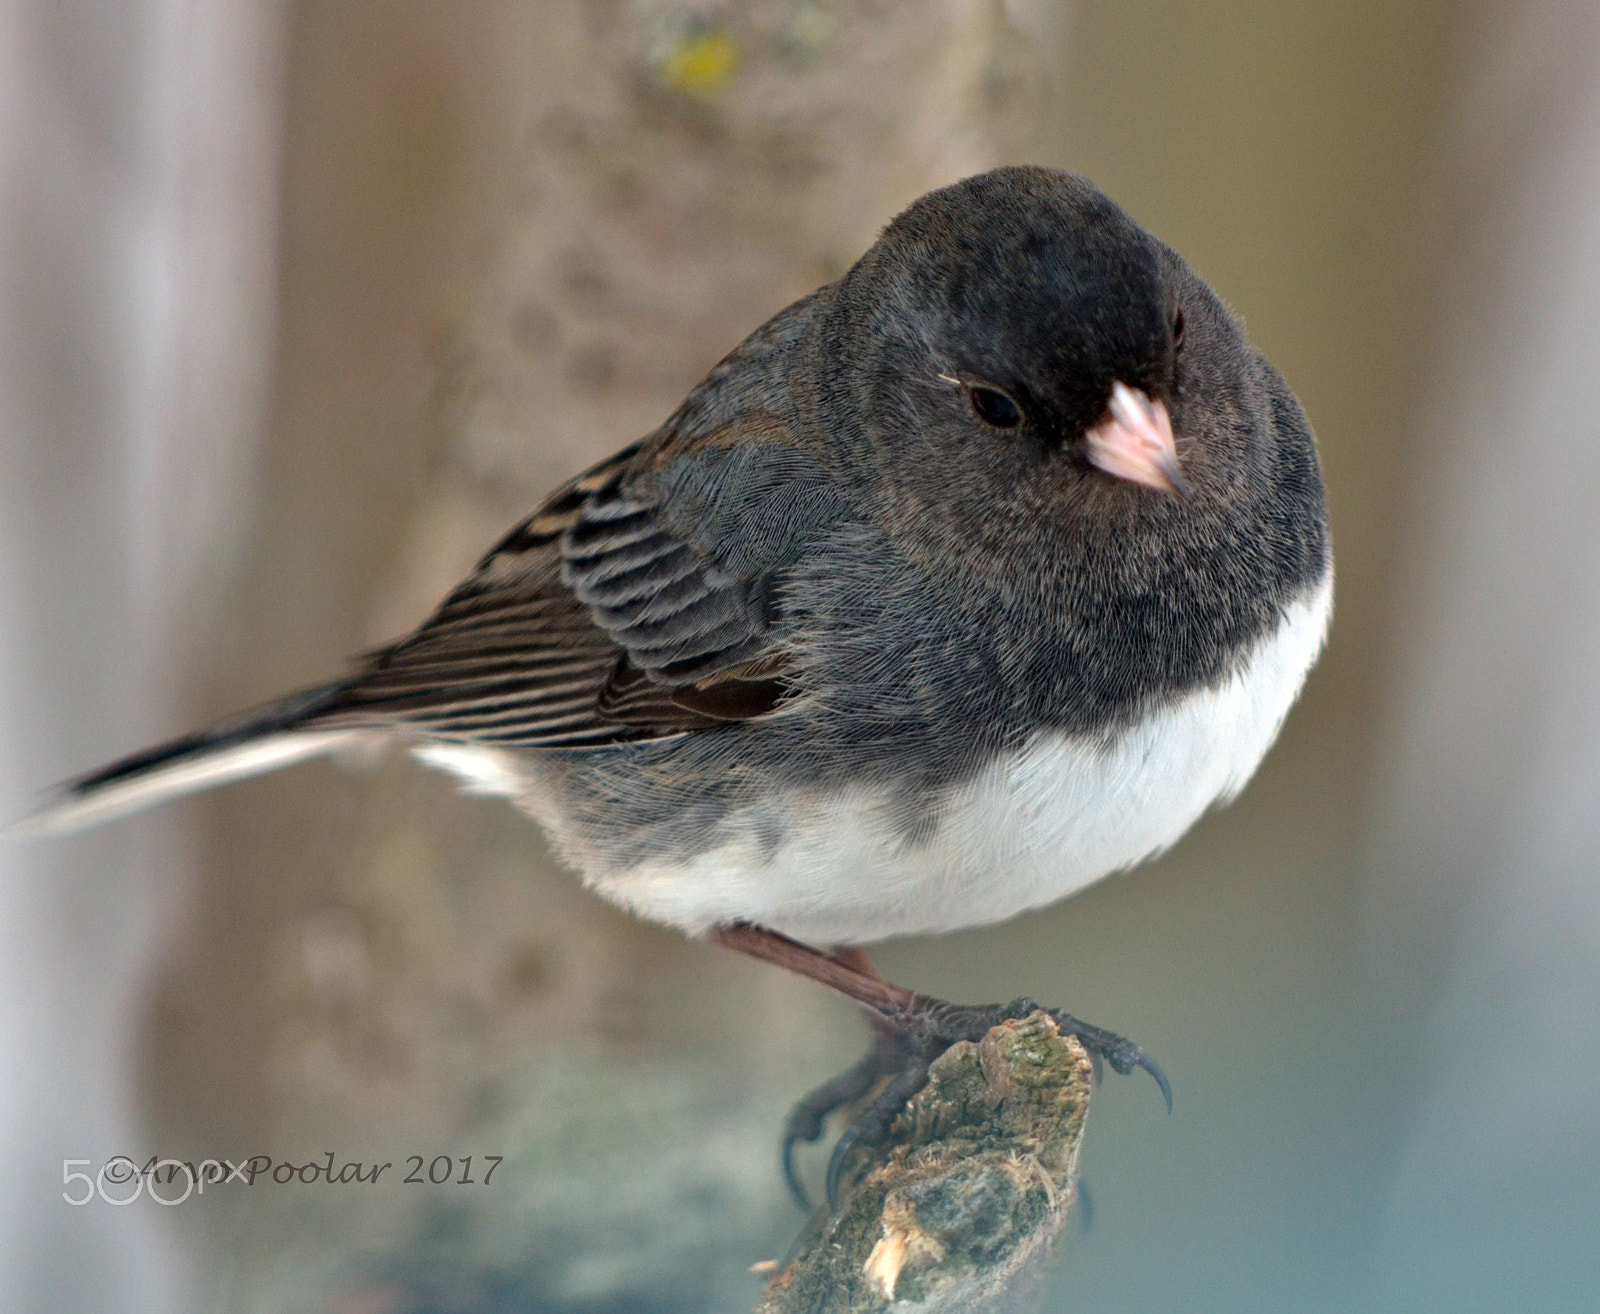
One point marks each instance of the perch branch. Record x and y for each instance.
(960, 1212)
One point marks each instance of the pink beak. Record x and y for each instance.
(1134, 442)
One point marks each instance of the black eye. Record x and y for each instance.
(1177, 330)
(995, 408)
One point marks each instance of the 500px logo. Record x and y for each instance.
(120, 1181)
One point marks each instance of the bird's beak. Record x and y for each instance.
(1134, 442)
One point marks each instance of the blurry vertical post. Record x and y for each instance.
(138, 171)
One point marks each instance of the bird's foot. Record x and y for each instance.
(905, 1045)
(909, 1032)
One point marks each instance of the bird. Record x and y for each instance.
(964, 582)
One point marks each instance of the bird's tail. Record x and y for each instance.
(245, 745)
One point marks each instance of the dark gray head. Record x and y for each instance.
(1036, 286)
(1016, 353)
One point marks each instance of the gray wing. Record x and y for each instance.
(610, 615)
(644, 598)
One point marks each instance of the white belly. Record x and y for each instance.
(1059, 815)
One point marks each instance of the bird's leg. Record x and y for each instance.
(909, 1032)
(853, 956)
(847, 971)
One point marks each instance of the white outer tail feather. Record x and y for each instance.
(67, 811)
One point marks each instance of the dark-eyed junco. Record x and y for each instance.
(963, 582)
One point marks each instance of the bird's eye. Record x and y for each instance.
(1177, 330)
(995, 408)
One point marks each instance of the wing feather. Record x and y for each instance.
(641, 600)
(591, 622)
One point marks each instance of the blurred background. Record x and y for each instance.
(302, 304)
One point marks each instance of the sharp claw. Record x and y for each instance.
(809, 1118)
(842, 1147)
(806, 1123)
(791, 1174)
(1123, 1055)
(1154, 1069)
(874, 1124)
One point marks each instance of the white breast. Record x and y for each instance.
(1031, 829)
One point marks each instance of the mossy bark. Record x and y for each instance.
(960, 1212)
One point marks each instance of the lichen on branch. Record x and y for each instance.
(960, 1210)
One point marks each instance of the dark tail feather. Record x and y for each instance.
(260, 740)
